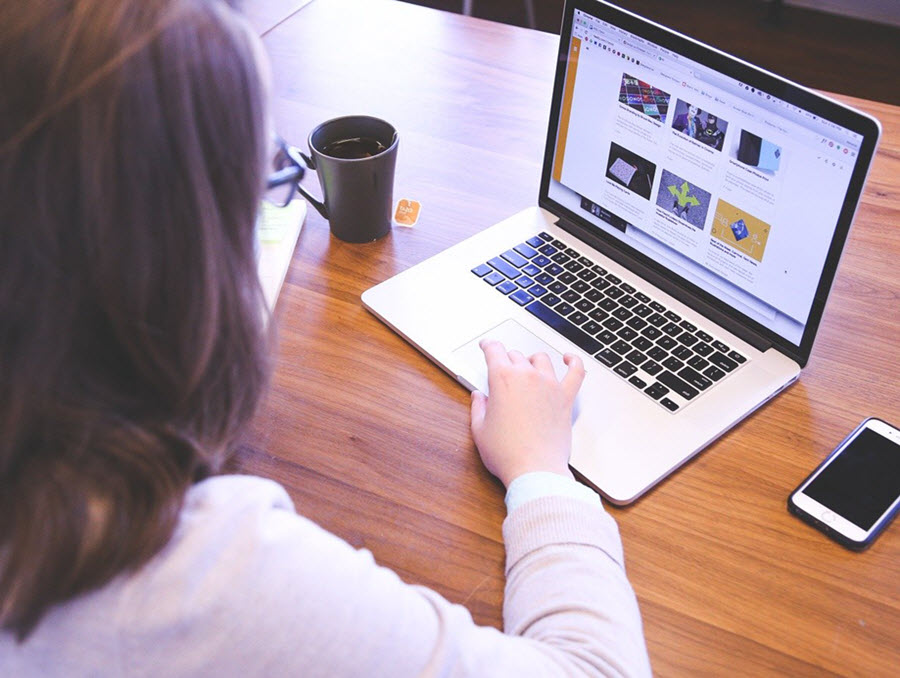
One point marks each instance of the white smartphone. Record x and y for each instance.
(855, 492)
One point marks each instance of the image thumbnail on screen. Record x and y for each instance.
(741, 230)
(685, 200)
(644, 98)
(630, 170)
(759, 153)
(705, 127)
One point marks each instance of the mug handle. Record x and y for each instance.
(319, 205)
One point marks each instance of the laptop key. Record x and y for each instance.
(600, 283)
(561, 258)
(537, 240)
(598, 314)
(493, 278)
(594, 295)
(673, 364)
(622, 314)
(599, 270)
(544, 278)
(526, 250)
(559, 244)
(553, 269)
(687, 338)
(615, 293)
(609, 357)
(591, 327)
(584, 306)
(557, 287)
(514, 258)
(573, 267)
(626, 333)
(722, 362)
(658, 307)
(537, 291)
(524, 281)
(713, 373)
(636, 323)
(689, 327)
(567, 278)
(642, 343)
(656, 391)
(651, 332)
(641, 297)
(625, 369)
(551, 300)
(670, 405)
(667, 342)
(612, 324)
(541, 261)
(607, 304)
(543, 235)
(563, 308)
(628, 301)
(636, 357)
(652, 368)
(642, 310)
(657, 320)
(703, 348)
(570, 296)
(606, 337)
(628, 288)
(637, 381)
(703, 336)
(531, 270)
(621, 347)
(657, 353)
(580, 286)
(695, 379)
(507, 286)
(546, 315)
(719, 346)
(613, 279)
(482, 270)
(737, 357)
(672, 316)
(504, 267)
(578, 318)
(678, 385)
(682, 352)
(587, 275)
(698, 363)
(548, 250)
(521, 297)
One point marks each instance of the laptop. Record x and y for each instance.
(691, 217)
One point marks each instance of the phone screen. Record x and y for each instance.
(862, 482)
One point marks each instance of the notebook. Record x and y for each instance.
(691, 217)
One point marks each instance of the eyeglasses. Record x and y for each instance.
(289, 168)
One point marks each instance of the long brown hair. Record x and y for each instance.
(132, 341)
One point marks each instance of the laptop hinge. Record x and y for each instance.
(683, 295)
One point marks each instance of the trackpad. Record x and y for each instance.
(469, 358)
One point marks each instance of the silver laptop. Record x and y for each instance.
(691, 217)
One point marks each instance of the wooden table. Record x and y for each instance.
(372, 440)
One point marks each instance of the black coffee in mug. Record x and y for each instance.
(354, 148)
(354, 158)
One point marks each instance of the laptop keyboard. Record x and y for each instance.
(651, 347)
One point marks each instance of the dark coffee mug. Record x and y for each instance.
(354, 157)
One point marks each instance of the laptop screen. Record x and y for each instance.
(734, 180)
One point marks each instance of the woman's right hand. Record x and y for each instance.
(525, 424)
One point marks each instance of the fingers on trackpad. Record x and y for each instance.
(469, 358)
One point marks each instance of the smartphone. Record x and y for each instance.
(855, 493)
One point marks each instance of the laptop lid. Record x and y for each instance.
(730, 187)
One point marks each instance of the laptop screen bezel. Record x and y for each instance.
(758, 78)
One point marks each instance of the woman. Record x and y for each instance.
(132, 154)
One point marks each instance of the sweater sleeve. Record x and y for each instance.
(251, 588)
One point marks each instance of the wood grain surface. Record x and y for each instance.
(372, 440)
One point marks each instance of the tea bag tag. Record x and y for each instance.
(407, 213)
